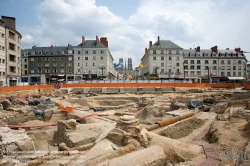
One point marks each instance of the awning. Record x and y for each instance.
(60, 80)
(61, 75)
(235, 78)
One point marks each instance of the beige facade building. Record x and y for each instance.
(12, 40)
(2, 54)
(162, 60)
(166, 60)
(93, 60)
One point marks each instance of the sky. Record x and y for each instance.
(130, 25)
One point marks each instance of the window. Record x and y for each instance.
(86, 64)
(62, 64)
(162, 70)
(192, 67)
(162, 58)
(54, 71)
(12, 47)
(154, 51)
(177, 64)
(169, 63)
(177, 71)
(228, 62)
(31, 71)
(239, 67)
(31, 59)
(70, 70)
(177, 58)
(40, 52)
(47, 52)
(78, 70)
(78, 64)
(198, 67)
(186, 67)
(239, 61)
(25, 66)
(222, 54)
(213, 54)
(78, 52)
(198, 61)
(177, 52)
(69, 58)
(192, 73)
(154, 58)
(198, 73)
(46, 70)
(94, 58)
(54, 64)
(54, 59)
(46, 59)
(228, 67)
(215, 68)
(206, 67)
(162, 64)
(222, 73)
(239, 73)
(93, 63)
(170, 58)
(228, 74)
(214, 62)
(234, 67)
(94, 51)
(69, 64)
(62, 70)
(169, 52)
(86, 52)
(86, 58)
(192, 61)
(228, 54)
(46, 64)
(234, 62)
(234, 73)
(205, 54)
(206, 62)
(39, 65)
(78, 58)
(102, 58)
(162, 51)
(185, 61)
(198, 54)
(62, 58)
(54, 52)
(154, 63)
(31, 64)
(191, 54)
(102, 51)
(222, 62)
(39, 59)
(185, 54)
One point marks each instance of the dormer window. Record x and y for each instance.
(185, 54)
(213, 54)
(228, 54)
(198, 54)
(54, 52)
(191, 54)
(205, 54)
(40, 52)
(233, 54)
(47, 52)
(33, 53)
(222, 54)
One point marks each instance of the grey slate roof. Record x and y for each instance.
(165, 44)
(91, 44)
(56, 48)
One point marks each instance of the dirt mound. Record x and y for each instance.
(82, 102)
(151, 112)
(183, 128)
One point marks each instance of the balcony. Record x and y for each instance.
(178, 73)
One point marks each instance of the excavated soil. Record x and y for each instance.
(183, 128)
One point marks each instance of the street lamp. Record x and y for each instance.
(102, 68)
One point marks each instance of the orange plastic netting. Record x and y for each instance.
(66, 109)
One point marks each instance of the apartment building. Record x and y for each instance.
(93, 60)
(166, 60)
(162, 60)
(127, 69)
(47, 64)
(2, 54)
(12, 50)
(214, 65)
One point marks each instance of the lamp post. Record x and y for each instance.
(102, 68)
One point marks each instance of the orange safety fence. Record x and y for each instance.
(127, 85)
(66, 109)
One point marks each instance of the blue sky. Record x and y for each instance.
(130, 25)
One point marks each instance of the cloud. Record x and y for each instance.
(186, 23)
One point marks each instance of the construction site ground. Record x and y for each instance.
(77, 128)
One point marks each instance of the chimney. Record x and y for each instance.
(215, 49)
(96, 40)
(159, 40)
(69, 46)
(83, 40)
(237, 49)
(104, 41)
(33, 47)
(198, 49)
(150, 44)
(146, 50)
